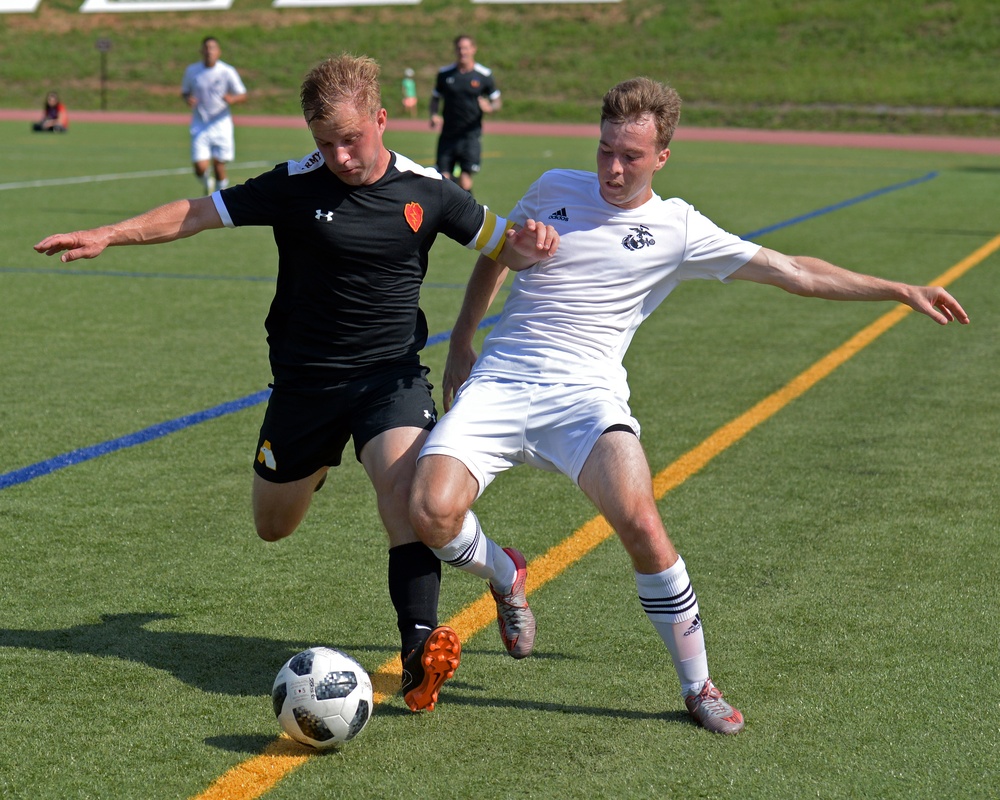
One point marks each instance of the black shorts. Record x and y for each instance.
(304, 431)
(464, 150)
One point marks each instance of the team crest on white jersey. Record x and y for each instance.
(639, 238)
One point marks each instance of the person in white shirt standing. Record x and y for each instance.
(210, 87)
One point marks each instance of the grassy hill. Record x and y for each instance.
(895, 65)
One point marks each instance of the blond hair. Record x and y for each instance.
(636, 98)
(340, 80)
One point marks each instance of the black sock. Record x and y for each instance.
(414, 585)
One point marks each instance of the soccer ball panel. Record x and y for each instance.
(278, 695)
(322, 697)
(311, 726)
(302, 663)
(336, 684)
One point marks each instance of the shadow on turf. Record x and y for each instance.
(251, 744)
(248, 744)
(207, 661)
(976, 168)
(212, 662)
(565, 708)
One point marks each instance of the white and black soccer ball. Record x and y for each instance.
(322, 697)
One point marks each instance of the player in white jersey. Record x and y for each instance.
(549, 388)
(210, 87)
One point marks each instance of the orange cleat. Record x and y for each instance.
(429, 666)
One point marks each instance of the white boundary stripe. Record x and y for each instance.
(120, 176)
(330, 3)
(18, 6)
(539, 2)
(104, 6)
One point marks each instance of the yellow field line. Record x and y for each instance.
(255, 776)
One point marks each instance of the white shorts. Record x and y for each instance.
(497, 424)
(213, 141)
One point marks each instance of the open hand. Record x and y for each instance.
(76, 245)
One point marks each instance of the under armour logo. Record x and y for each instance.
(324, 215)
(428, 414)
(639, 238)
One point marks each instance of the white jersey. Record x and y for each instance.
(208, 85)
(571, 318)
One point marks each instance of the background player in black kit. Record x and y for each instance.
(468, 91)
(353, 223)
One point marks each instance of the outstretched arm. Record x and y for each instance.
(176, 220)
(813, 277)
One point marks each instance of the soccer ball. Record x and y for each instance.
(322, 697)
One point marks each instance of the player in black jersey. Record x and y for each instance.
(353, 223)
(468, 91)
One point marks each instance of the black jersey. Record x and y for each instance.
(351, 260)
(461, 92)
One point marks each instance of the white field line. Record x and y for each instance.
(120, 176)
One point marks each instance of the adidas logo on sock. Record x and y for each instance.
(695, 625)
(560, 214)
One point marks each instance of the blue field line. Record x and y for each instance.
(28, 473)
(444, 336)
(130, 440)
(837, 206)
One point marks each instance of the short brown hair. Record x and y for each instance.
(338, 80)
(636, 98)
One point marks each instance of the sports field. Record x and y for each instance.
(828, 471)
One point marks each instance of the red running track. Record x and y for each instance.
(883, 141)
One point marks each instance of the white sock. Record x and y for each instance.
(208, 181)
(671, 605)
(222, 184)
(473, 551)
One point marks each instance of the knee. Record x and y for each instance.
(278, 508)
(646, 540)
(436, 518)
(425, 512)
(272, 525)
(272, 530)
(443, 491)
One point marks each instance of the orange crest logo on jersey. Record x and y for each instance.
(414, 216)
